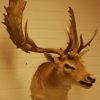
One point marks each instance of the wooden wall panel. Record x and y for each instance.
(48, 20)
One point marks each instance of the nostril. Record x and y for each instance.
(91, 79)
(88, 77)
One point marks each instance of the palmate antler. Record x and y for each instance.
(73, 44)
(73, 38)
(13, 22)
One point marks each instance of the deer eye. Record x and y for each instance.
(69, 67)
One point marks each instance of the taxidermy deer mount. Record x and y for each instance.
(54, 78)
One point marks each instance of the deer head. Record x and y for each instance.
(68, 61)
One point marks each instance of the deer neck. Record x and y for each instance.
(58, 80)
(57, 86)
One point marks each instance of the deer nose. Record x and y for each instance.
(91, 79)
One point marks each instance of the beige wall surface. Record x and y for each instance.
(48, 20)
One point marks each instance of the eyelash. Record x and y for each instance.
(69, 67)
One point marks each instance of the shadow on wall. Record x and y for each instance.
(9, 71)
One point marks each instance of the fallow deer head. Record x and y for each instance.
(68, 61)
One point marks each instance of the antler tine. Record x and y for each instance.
(73, 43)
(82, 46)
(13, 22)
(69, 43)
(81, 43)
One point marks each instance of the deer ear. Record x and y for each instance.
(50, 58)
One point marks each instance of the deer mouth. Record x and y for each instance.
(86, 84)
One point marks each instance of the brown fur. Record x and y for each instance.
(49, 83)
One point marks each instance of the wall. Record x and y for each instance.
(48, 20)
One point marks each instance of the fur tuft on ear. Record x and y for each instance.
(51, 58)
